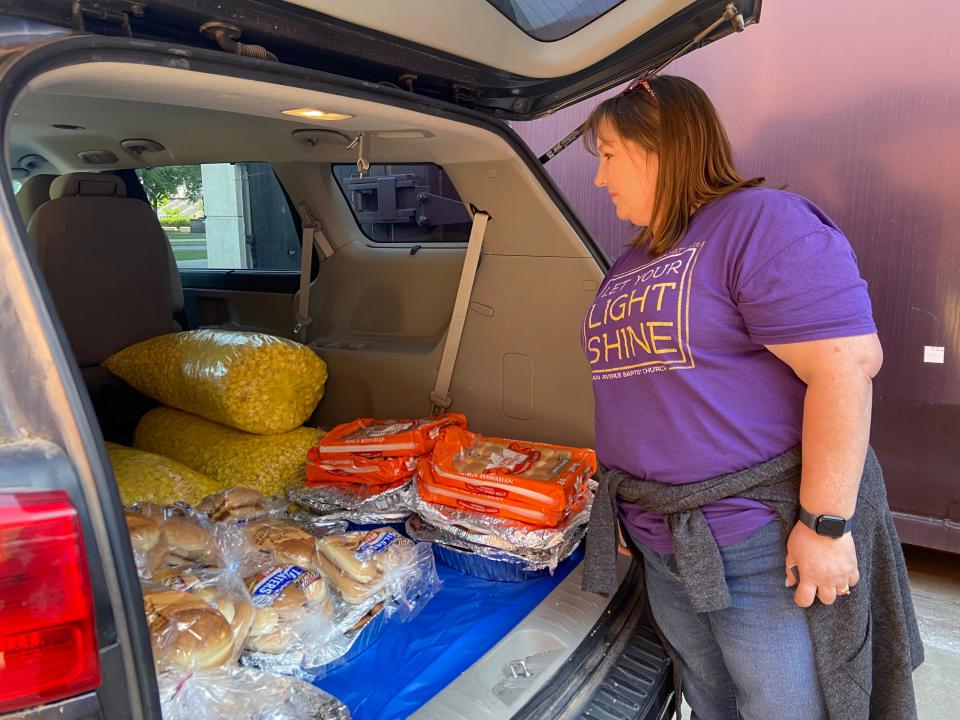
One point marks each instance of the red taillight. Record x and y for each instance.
(48, 644)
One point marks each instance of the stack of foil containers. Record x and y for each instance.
(494, 548)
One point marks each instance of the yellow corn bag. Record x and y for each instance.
(146, 477)
(267, 463)
(250, 381)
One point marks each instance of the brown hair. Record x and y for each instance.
(674, 118)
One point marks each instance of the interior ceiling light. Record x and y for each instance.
(314, 114)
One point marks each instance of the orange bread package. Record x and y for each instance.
(539, 475)
(389, 438)
(452, 497)
(356, 468)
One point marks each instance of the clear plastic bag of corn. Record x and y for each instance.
(148, 477)
(250, 381)
(267, 463)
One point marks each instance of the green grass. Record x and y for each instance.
(190, 254)
(174, 236)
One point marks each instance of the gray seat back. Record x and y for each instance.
(107, 263)
(34, 192)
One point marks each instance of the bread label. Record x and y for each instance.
(306, 580)
(388, 427)
(375, 541)
(488, 491)
(273, 582)
(514, 459)
(476, 507)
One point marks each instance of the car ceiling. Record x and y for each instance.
(200, 117)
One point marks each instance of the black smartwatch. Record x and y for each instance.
(830, 525)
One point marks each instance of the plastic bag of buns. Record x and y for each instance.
(265, 463)
(185, 537)
(290, 539)
(149, 547)
(239, 504)
(250, 381)
(148, 477)
(244, 693)
(379, 565)
(198, 618)
(251, 529)
(283, 541)
(293, 631)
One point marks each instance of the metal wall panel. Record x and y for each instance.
(857, 107)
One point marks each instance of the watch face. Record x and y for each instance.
(831, 525)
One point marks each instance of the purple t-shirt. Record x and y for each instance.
(684, 388)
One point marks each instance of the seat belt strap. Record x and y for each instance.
(323, 245)
(311, 234)
(306, 264)
(440, 397)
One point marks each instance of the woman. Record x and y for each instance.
(733, 330)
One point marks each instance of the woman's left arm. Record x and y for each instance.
(839, 376)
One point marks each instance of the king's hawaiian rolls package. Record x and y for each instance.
(387, 438)
(358, 468)
(506, 473)
(502, 507)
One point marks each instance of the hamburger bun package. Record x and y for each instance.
(198, 618)
(379, 565)
(244, 692)
(293, 631)
(238, 504)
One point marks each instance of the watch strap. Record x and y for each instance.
(813, 522)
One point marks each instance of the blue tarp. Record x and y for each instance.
(413, 661)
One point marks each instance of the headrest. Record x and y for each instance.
(34, 192)
(86, 185)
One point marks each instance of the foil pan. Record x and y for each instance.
(525, 561)
(318, 525)
(393, 505)
(505, 535)
(364, 637)
(499, 570)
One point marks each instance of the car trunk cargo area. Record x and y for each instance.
(377, 311)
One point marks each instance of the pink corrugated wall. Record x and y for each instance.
(857, 106)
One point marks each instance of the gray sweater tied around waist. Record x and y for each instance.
(866, 645)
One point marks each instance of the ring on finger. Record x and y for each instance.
(845, 590)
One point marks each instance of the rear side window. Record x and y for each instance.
(413, 203)
(224, 216)
(548, 20)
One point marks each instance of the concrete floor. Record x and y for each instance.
(935, 581)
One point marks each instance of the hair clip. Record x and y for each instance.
(640, 82)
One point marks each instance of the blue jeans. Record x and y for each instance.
(753, 660)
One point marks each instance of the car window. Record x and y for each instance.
(548, 20)
(413, 203)
(224, 216)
